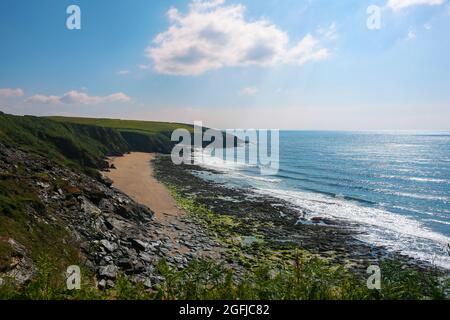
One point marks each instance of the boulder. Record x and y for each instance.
(109, 272)
(106, 181)
(106, 205)
(88, 207)
(110, 247)
(21, 267)
(139, 244)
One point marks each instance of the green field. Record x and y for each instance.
(149, 127)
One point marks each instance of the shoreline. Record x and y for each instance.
(275, 221)
(154, 181)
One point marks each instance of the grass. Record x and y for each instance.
(83, 143)
(144, 136)
(21, 219)
(149, 127)
(305, 279)
(79, 147)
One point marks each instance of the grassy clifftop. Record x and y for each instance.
(147, 127)
(144, 136)
(85, 142)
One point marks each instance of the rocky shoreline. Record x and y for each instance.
(275, 222)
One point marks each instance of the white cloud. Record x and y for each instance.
(199, 5)
(43, 99)
(144, 66)
(76, 97)
(402, 4)
(411, 35)
(428, 26)
(306, 50)
(123, 72)
(249, 91)
(8, 92)
(212, 35)
(330, 32)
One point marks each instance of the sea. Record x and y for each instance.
(394, 186)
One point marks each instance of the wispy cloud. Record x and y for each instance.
(402, 4)
(144, 66)
(76, 97)
(411, 34)
(123, 72)
(330, 32)
(8, 92)
(248, 91)
(213, 35)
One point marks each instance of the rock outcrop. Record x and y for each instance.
(109, 228)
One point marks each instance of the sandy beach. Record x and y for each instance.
(134, 176)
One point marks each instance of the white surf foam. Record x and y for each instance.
(416, 179)
(379, 227)
(209, 161)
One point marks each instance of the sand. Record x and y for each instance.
(134, 176)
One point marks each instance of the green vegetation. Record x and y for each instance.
(83, 143)
(79, 147)
(21, 210)
(148, 127)
(304, 279)
(17, 200)
(234, 234)
(144, 136)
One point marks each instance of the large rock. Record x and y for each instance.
(110, 247)
(88, 207)
(106, 205)
(109, 272)
(139, 244)
(21, 267)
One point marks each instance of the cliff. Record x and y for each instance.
(54, 203)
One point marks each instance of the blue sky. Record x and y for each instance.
(287, 64)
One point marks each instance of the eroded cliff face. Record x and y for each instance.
(48, 209)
